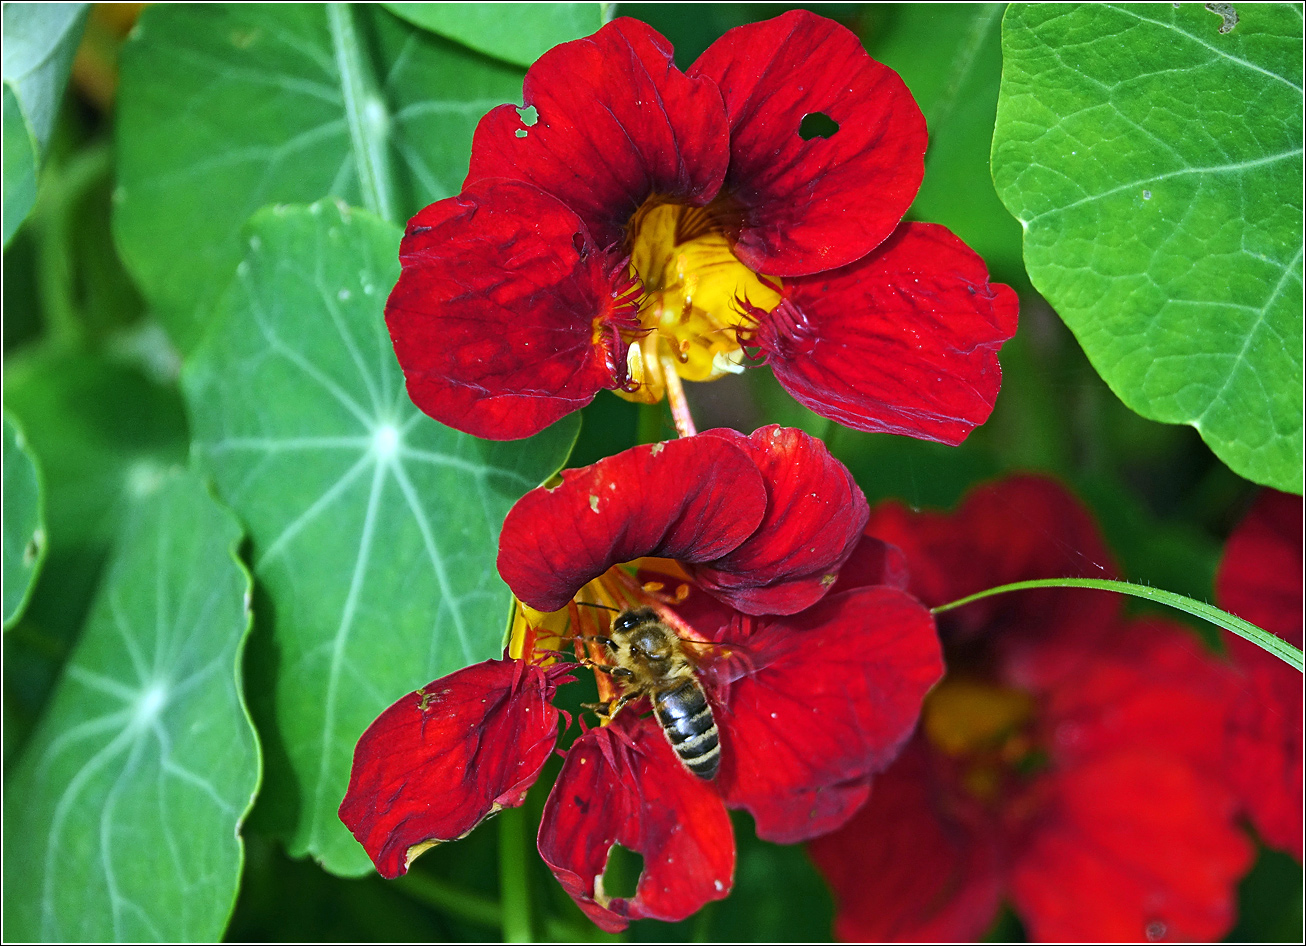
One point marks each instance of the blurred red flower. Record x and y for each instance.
(734, 541)
(1066, 762)
(1260, 579)
(645, 221)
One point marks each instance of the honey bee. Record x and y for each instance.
(650, 660)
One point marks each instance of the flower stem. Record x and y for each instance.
(62, 192)
(514, 884)
(366, 110)
(1275, 645)
(452, 899)
(684, 421)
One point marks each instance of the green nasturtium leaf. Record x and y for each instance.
(279, 104)
(20, 163)
(1156, 164)
(514, 32)
(40, 40)
(374, 529)
(24, 521)
(122, 818)
(106, 434)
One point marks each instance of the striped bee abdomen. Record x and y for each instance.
(686, 718)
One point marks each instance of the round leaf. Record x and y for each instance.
(1156, 162)
(374, 528)
(20, 161)
(24, 521)
(280, 103)
(514, 32)
(124, 811)
(40, 40)
(105, 434)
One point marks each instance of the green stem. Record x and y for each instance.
(365, 108)
(62, 193)
(652, 423)
(1275, 645)
(514, 884)
(452, 899)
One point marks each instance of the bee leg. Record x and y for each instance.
(609, 710)
(621, 673)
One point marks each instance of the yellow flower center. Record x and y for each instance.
(691, 281)
(537, 636)
(982, 724)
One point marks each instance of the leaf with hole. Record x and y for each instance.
(122, 818)
(1156, 165)
(374, 529)
(40, 40)
(24, 521)
(281, 103)
(514, 32)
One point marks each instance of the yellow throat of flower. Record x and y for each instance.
(541, 637)
(982, 724)
(691, 281)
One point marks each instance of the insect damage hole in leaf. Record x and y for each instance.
(620, 877)
(817, 125)
(1228, 15)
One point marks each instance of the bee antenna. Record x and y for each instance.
(590, 604)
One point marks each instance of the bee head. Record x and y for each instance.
(643, 632)
(628, 621)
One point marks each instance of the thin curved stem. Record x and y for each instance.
(684, 421)
(1275, 645)
(452, 899)
(514, 884)
(366, 110)
(62, 191)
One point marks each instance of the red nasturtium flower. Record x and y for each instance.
(1065, 763)
(1260, 579)
(646, 220)
(735, 541)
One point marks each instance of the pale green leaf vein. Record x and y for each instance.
(339, 642)
(312, 512)
(436, 557)
(1134, 185)
(1215, 49)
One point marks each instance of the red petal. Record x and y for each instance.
(810, 206)
(874, 562)
(693, 500)
(1021, 528)
(1265, 748)
(919, 862)
(1260, 575)
(904, 341)
(442, 759)
(815, 513)
(630, 789)
(617, 122)
(829, 698)
(1260, 579)
(1137, 848)
(493, 315)
(1149, 684)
